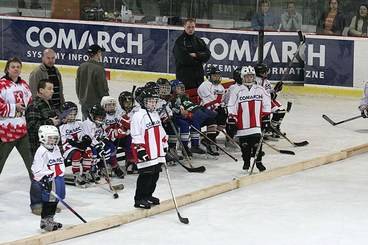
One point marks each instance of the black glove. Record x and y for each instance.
(76, 144)
(364, 113)
(231, 127)
(142, 154)
(46, 182)
(278, 87)
(86, 141)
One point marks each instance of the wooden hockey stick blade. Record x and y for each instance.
(328, 120)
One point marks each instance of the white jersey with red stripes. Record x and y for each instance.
(114, 125)
(47, 162)
(248, 104)
(70, 131)
(96, 132)
(12, 123)
(210, 94)
(147, 131)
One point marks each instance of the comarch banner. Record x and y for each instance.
(149, 48)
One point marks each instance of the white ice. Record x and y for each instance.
(325, 205)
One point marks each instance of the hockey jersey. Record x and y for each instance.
(12, 124)
(163, 105)
(70, 131)
(48, 162)
(266, 84)
(97, 133)
(116, 125)
(228, 92)
(150, 135)
(248, 105)
(210, 94)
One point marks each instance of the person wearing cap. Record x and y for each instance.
(91, 83)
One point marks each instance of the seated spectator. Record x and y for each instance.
(331, 22)
(264, 19)
(291, 20)
(358, 25)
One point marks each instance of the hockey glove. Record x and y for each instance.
(142, 154)
(86, 141)
(231, 125)
(278, 87)
(46, 182)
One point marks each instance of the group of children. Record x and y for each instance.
(147, 125)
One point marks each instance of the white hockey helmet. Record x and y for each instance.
(247, 70)
(109, 103)
(48, 135)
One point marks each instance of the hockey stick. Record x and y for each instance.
(200, 169)
(107, 178)
(178, 137)
(337, 123)
(64, 203)
(182, 220)
(256, 154)
(222, 149)
(302, 143)
(272, 147)
(287, 152)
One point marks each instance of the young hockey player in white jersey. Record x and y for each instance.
(363, 107)
(48, 170)
(76, 145)
(211, 94)
(149, 142)
(247, 105)
(102, 147)
(278, 112)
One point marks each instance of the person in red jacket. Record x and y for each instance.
(15, 95)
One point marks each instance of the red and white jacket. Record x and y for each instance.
(116, 125)
(12, 124)
(152, 137)
(48, 162)
(248, 106)
(264, 82)
(210, 94)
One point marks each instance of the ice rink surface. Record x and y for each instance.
(326, 205)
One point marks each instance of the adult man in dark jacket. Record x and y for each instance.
(48, 70)
(39, 112)
(190, 54)
(91, 83)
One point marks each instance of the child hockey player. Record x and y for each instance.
(76, 145)
(210, 93)
(278, 112)
(48, 170)
(126, 103)
(247, 105)
(116, 128)
(102, 147)
(149, 142)
(187, 113)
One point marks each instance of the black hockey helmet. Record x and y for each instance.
(68, 106)
(237, 75)
(210, 72)
(97, 114)
(66, 114)
(126, 101)
(164, 87)
(137, 93)
(145, 95)
(261, 69)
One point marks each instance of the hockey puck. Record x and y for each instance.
(116, 195)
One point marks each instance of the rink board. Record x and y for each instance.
(127, 217)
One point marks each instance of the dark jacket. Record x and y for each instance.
(91, 83)
(337, 26)
(39, 73)
(38, 113)
(189, 70)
